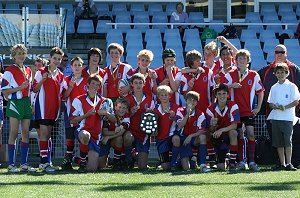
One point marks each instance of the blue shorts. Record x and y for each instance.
(164, 145)
(92, 143)
(104, 149)
(140, 147)
(186, 151)
(1, 115)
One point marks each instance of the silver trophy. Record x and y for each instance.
(149, 122)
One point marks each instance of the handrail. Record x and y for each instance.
(196, 24)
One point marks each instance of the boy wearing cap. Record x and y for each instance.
(169, 74)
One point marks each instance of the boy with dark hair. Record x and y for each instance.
(191, 124)
(139, 103)
(284, 97)
(73, 86)
(222, 118)
(87, 113)
(47, 85)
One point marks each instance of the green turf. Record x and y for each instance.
(152, 183)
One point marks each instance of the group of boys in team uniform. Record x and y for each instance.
(104, 107)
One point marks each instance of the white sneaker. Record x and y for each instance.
(241, 166)
(13, 169)
(26, 167)
(254, 167)
(47, 168)
(204, 169)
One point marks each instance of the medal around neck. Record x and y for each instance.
(149, 122)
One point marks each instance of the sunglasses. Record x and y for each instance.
(279, 52)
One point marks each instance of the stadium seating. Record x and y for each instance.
(118, 8)
(285, 9)
(102, 27)
(160, 17)
(12, 8)
(248, 34)
(253, 17)
(154, 8)
(85, 26)
(170, 8)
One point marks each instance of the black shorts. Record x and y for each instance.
(46, 122)
(34, 124)
(247, 120)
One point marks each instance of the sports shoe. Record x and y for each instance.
(241, 166)
(82, 168)
(67, 163)
(26, 167)
(47, 167)
(254, 167)
(204, 169)
(13, 169)
(290, 167)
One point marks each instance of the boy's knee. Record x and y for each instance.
(84, 137)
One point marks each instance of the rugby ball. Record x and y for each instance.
(123, 83)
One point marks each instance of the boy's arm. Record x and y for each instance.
(66, 92)
(219, 132)
(78, 119)
(174, 84)
(292, 104)
(37, 87)
(260, 98)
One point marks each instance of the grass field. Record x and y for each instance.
(151, 183)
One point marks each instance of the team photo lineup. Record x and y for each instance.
(201, 116)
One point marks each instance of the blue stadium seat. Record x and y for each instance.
(123, 19)
(274, 28)
(174, 44)
(236, 42)
(255, 50)
(289, 18)
(293, 51)
(180, 60)
(1, 8)
(85, 26)
(133, 51)
(70, 24)
(267, 8)
(252, 43)
(48, 9)
(196, 17)
(156, 63)
(102, 7)
(160, 17)
(257, 62)
(269, 45)
(289, 43)
(156, 48)
(152, 33)
(170, 8)
(133, 33)
(285, 9)
(289, 31)
(33, 9)
(132, 60)
(193, 44)
(295, 59)
(271, 18)
(217, 28)
(134, 43)
(114, 33)
(172, 33)
(191, 34)
(137, 7)
(298, 10)
(66, 6)
(119, 8)
(154, 8)
(256, 28)
(270, 57)
(102, 27)
(253, 17)
(12, 8)
(267, 34)
(141, 17)
(248, 34)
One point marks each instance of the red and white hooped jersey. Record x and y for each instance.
(244, 97)
(13, 77)
(47, 103)
(120, 72)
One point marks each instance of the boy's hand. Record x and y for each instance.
(255, 111)
(134, 109)
(214, 121)
(281, 107)
(102, 112)
(187, 140)
(105, 140)
(236, 85)
(24, 85)
(90, 112)
(45, 76)
(172, 115)
(222, 39)
(71, 83)
(124, 90)
(217, 133)
(153, 75)
(166, 81)
(200, 70)
(191, 83)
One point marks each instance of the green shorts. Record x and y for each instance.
(19, 108)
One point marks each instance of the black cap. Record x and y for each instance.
(168, 53)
